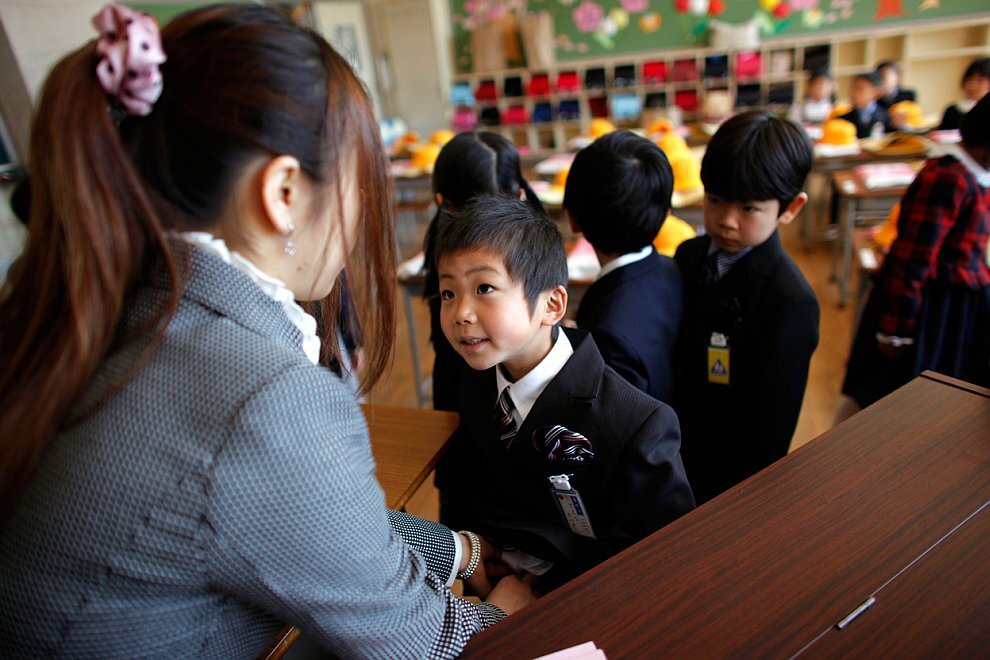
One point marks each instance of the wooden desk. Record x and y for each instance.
(406, 444)
(768, 568)
(858, 202)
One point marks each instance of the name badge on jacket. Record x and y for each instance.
(571, 505)
(718, 359)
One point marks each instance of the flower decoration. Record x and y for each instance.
(588, 16)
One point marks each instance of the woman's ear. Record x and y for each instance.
(556, 306)
(282, 192)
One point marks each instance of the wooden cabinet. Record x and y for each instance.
(543, 109)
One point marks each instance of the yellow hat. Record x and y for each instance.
(907, 113)
(600, 127)
(424, 157)
(687, 172)
(838, 132)
(673, 232)
(660, 125)
(672, 144)
(887, 232)
(839, 109)
(441, 137)
(560, 180)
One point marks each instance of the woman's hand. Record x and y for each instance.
(511, 594)
(490, 569)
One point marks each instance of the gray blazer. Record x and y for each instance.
(227, 488)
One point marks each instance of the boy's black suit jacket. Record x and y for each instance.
(634, 485)
(770, 315)
(865, 127)
(634, 314)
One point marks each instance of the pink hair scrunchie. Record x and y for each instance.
(130, 50)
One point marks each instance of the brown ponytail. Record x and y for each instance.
(91, 228)
(241, 81)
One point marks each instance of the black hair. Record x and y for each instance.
(887, 64)
(815, 74)
(978, 67)
(470, 164)
(757, 156)
(528, 242)
(872, 77)
(975, 128)
(618, 192)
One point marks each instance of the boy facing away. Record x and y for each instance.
(556, 456)
(618, 194)
(750, 319)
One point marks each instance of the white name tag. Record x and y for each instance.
(571, 506)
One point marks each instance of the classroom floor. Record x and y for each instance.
(827, 365)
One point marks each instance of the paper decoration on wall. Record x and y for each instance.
(888, 9)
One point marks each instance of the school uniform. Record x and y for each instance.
(866, 118)
(741, 364)
(933, 291)
(900, 94)
(618, 446)
(633, 312)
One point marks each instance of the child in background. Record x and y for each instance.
(817, 105)
(618, 195)
(867, 114)
(975, 85)
(750, 319)
(470, 164)
(544, 421)
(891, 91)
(930, 303)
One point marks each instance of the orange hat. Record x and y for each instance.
(660, 125)
(687, 172)
(838, 132)
(600, 127)
(425, 156)
(907, 113)
(839, 109)
(672, 144)
(410, 137)
(560, 180)
(441, 137)
(673, 232)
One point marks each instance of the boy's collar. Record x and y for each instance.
(624, 260)
(528, 389)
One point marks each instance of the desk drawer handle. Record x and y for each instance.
(855, 613)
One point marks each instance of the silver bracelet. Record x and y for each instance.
(475, 555)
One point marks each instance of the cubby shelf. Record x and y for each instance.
(932, 56)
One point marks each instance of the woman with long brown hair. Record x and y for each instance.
(178, 474)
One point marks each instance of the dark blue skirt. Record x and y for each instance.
(952, 338)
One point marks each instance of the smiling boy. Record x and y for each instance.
(556, 456)
(750, 320)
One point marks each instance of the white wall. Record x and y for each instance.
(35, 34)
(344, 24)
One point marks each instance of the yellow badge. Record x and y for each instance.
(718, 359)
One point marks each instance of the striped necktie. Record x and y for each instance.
(505, 423)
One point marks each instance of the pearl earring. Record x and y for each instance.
(290, 246)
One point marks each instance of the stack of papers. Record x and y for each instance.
(885, 175)
(586, 651)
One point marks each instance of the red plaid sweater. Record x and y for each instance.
(941, 235)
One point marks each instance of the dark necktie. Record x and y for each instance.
(711, 267)
(504, 421)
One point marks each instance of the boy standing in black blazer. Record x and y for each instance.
(618, 195)
(750, 318)
(867, 112)
(556, 456)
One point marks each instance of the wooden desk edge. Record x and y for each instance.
(955, 382)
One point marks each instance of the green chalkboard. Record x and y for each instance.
(600, 28)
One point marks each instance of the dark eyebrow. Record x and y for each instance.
(470, 271)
